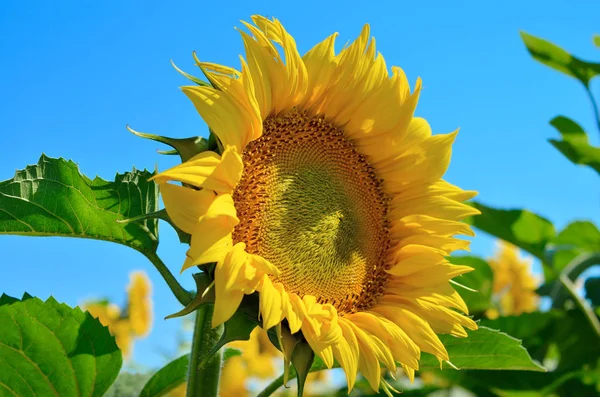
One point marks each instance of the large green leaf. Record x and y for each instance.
(576, 238)
(167, 378)
(575, 144)
(481, 280)
(581, 235)
(534, 329)
(555, 57)
(50, 349)
(52, 198)
(484, 349)
(522, 228)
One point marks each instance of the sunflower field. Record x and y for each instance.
(328, 253)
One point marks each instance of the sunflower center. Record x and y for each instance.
(312, 205)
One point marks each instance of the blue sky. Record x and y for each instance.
(73, 74)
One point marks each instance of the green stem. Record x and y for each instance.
(271, 388)
(182, 295)
(203, 375)
(569, 274)
(595, 106)
(583, 305)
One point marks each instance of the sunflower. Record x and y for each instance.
(139, 303)
(513, 282)
(326, 199)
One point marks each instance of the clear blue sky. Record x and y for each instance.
(74, 73)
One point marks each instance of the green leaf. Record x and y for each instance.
(238, 327)
(523, 326)
(577, 342)
(577, 238)
(596, 40)
(582, 235)
(167, 378)
(534, 329)
(484, 349)
(53, 198)
(575, 144)
(555, 57)
(50, 349)
(481, 280)
(231, 352)
(522, 228)
(592, 290)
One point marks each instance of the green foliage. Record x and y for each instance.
(167, 378)
(555, 57)
(575, 144)
(50, 349)
(592, 290)
(484, 349)
(481, 280)
(52, 198)
(522, 228)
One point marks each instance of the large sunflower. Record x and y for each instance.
(327, 200)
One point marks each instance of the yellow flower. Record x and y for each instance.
(258, 354)
(233, 378)
(107, 313)
(139, 303)
(110, 316)
(513, 282)
(327, 200)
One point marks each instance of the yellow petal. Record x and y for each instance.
(207, 170)
(270, 304)
(320, 64)
(415, 327)
(185, 206)
(211, 239)
(346, 353)
(368, 364)
(233, 124)
(402, 347)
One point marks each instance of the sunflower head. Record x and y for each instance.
(326, 200)
(513, 282)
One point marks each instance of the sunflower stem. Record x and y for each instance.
(204, 372)
(183, 296)
(271, 387)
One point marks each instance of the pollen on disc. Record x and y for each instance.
(313, 206)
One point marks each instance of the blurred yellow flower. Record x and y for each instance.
(133, 322)
(258, 354)
(233, 378)
(140, 305)
(513, 282)
(110, 316)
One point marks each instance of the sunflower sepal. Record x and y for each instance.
(185, 147)
(237, 328)
(302, 359)
(205, 294)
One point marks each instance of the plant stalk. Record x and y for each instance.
(182, 295)
(203, 374)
